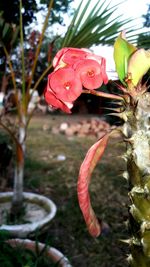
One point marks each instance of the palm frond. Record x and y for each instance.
(97, 24)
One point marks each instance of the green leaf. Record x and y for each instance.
(122, 52)
(15, 35)
(70, 31)
(6, 29)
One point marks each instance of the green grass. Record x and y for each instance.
(57, 179)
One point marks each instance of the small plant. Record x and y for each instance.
(13, 253)
(22, 98)
(79, 71)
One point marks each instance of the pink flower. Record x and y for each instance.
(65, 84)
(97, 58)
(102, 62)
(57, 58)
(68, 56)
(92, 68)
(90, 73)
(74, 68)
(73, 55)
(53, 101)
(103, 71)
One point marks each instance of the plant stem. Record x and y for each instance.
(103, 94)
(137, 137)
(12, 77)
(40, 79)
(39, 44)
(22, 58)
(17, 201)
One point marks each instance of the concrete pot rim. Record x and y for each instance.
(23, 230)
(54, 254)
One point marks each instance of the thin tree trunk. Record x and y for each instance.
(17, 201)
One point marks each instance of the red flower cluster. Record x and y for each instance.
(73, 69)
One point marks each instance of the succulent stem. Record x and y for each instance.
(136, 131)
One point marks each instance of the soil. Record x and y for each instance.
(33, 213)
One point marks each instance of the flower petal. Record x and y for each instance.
(58, 56)
(73, 55)
(89, 71)
(94, 57)
(103, 71)
(53, 101)
(65, 84)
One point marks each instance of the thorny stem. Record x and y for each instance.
(136, 132)
(102, 94)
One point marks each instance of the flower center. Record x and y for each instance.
(67, 85)
(74, 56)
(90, 73)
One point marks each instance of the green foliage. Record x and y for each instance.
(144, 40)
(94, 26)
(31, 7)
(11, 14)
(147, 18)
(59, 7)
(8, 38)
(131, 63)
(122, 52)
(8, 35)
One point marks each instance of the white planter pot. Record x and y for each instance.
(52, 253)
(39, 212)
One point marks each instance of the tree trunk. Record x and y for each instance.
(136, 131)
(17, 202)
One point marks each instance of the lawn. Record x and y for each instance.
(52, 165)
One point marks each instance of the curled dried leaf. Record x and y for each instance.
(92, 157)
